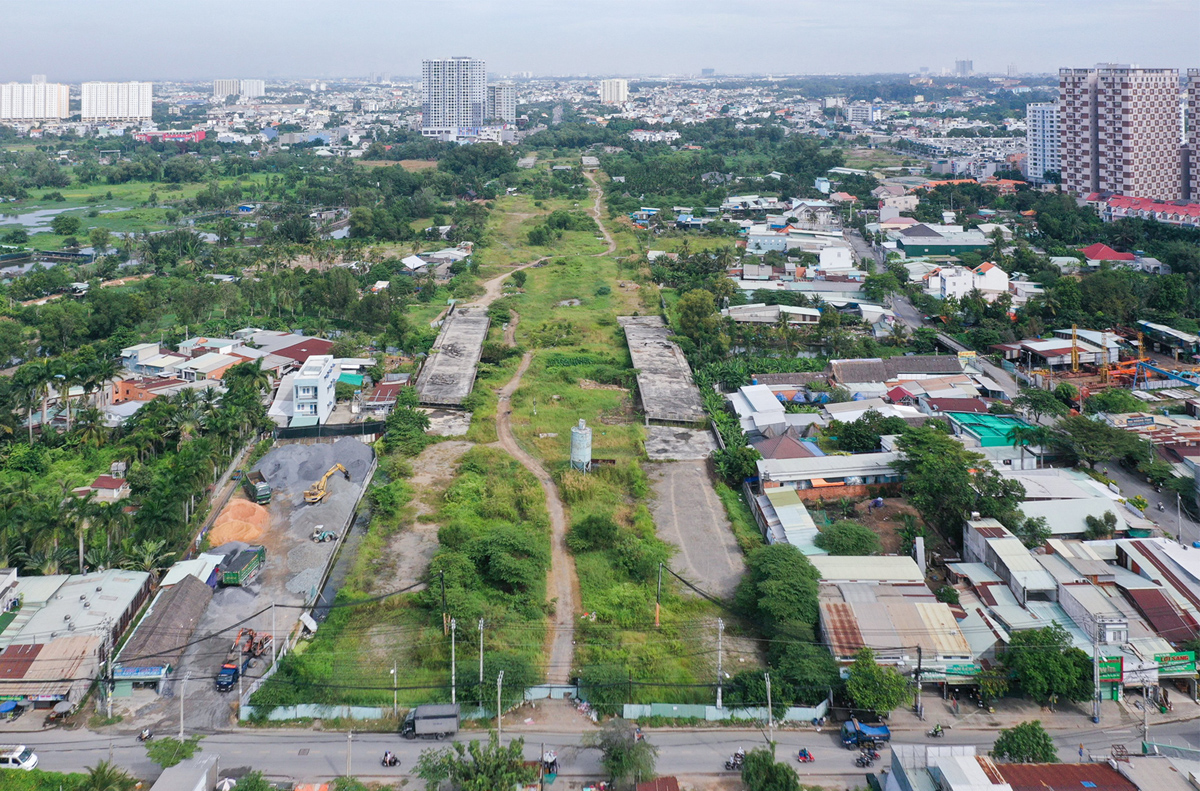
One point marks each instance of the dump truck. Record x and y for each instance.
(241, 567)
(247, 648)
(432, 721)
(856, 734)
(257, 488)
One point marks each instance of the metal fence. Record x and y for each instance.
(367, 427)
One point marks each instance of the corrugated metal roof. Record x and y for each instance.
(841, 628)
(945, 636)
(1064, 777)
(14, 661)
(1156, 608)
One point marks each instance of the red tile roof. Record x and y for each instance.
(109, 482)
(972, 405)
(1102, 252)
(305, 349)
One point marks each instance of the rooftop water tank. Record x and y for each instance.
(581, 446)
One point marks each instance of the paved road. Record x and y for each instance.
(309, 755)
(1172, 520)
(863, 250)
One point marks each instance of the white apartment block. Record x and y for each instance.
(1119, 131)
(34, 101)
(313, 390)
(116, 101)
(959, 281)
(1193, 132)
(614, 91)
(502, 103)
(223, 88)
(1041, 141)
(453, 95)
(254, 89)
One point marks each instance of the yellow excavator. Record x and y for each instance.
(316, 493)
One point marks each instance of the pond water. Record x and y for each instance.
(33, 221)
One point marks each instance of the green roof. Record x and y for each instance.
(992, 430)
(354, 380)
(303, 420)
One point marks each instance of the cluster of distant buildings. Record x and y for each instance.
(1118, 129)
(99, 101)
(457, 104)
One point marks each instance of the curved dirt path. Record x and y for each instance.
(612, 243)
(563, 585)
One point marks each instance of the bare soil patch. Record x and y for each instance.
(886, 521)
(588, 384)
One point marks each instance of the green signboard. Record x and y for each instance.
(1180, 663)
(1110, 668)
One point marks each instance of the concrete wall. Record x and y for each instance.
(633, 711)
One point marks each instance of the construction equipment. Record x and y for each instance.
(320, 536)
(316, 493)
(257, 488)
(242, 566)
(1074, 349)
(247, 648)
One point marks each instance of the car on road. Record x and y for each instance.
(17, 756)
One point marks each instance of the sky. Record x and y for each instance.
(76, 40)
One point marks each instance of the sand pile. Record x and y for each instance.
(241, 520)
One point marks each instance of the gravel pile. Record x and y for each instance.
(303, 583)
(308, 556)
(293, 468)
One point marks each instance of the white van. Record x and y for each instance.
(17, 756)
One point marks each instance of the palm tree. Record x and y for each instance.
(1020, 436)
(79, 514)
(249, 373)
(105, 776)
(149, 555)
(90, 427)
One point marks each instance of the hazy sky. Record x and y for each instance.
(74, 40)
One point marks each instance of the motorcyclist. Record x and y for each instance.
(144, 735)
(937, 729)
(389, 758)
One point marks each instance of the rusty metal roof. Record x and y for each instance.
(1164, 618)
(15, 660)
(1064, 777)
(841, 628)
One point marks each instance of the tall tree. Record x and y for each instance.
(476, 766)
(1027, 743)
(874, 687)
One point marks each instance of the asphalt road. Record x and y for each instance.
(304, 755)
(863, 250)
(1171, 520)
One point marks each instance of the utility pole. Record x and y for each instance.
(349, 743)
(658, 598)
(274, 641)
(453, 672)
(395, 692)
(1178, 519)
(918, 680)
(499, 711)
(445, 626)
(770, 716)
(108, 667)
(182, 693)
(720, 634)
(480, 663)
(1096, 675)
(1145, 711)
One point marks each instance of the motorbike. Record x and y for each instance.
(1161, 507)
(872, 754)
(936, 733)
(863, 761)
(145, 735)
(804, 756)
(390, 760)
(734, 762)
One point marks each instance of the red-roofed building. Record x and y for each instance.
(300, 352)
(1064, 777)
(1102, 252)
(108, 489)
(933, 406)
(1120, 207)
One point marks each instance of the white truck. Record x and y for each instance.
(17, 756)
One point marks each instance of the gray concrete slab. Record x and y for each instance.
(673, 443)
(448, 374)
(688, 514)
(664, 378)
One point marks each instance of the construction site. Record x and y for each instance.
(1156, 364)
(276, 558)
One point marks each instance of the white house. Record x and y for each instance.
(959, 281)
(313, 391)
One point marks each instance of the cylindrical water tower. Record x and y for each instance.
(581, 446)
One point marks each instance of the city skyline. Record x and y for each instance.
(601, 38)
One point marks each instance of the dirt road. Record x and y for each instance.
(563, 587)
(612, 243)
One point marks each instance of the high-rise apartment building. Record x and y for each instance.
(964, 68)
(453, 95)
(1192, 111)
(614, 91)
(1119, 131)
(253, 89)
(1041, 141)
(35, 101)
(116, 101)
(223, 88)
(502, 103)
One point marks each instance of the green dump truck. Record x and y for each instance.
(257, 488)
(241, 567)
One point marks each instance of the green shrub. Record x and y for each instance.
(594, 531)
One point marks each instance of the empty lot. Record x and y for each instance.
(688, 514)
